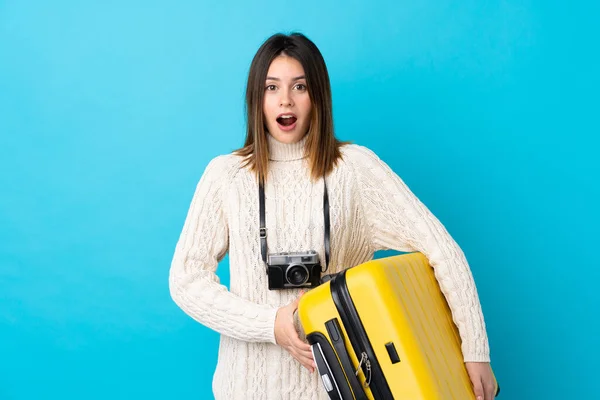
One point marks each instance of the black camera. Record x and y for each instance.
(293, 270)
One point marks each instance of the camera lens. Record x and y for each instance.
(296, 274)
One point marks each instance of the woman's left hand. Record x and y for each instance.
(482, 378)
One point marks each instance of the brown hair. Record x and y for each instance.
(322, 147)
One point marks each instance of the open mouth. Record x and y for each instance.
(287, 120)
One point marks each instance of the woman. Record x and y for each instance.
(291, 151)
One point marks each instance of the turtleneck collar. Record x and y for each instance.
(279, 151)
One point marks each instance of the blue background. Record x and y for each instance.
(109, 112)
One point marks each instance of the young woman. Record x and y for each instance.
(291, 152)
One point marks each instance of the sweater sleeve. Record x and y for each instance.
(398, 220)
(203, 242)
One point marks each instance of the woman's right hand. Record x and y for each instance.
(287, 337)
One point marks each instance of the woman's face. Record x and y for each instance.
(286, 106)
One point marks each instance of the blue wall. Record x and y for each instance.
(110, 112)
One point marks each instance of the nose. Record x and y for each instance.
(286, 99)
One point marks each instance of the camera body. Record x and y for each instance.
(293, 270)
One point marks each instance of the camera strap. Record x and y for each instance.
(263, 228)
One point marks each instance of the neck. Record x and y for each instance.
(279, 151)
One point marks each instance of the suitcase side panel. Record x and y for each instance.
(420, 327)
(438, 335)
(453, 375)
(443, 346)
(376, 299)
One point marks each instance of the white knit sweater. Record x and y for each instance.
(371, 209)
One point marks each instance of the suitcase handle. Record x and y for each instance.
(327, 376)
(337, 338)
(329, 364)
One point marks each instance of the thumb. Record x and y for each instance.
(294, 304)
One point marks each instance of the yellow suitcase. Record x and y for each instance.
(383, 330)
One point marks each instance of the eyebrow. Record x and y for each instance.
(272, 78)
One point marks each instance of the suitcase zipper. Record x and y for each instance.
(364, 358)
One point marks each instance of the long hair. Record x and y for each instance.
(322, 147)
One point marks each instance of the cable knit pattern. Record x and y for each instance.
(371, 209)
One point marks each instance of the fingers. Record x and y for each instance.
(301, 352)
(480, 375)
(299, 349)
(296, 341)
(304, 359)
(290, 339)
(478, 389)
(490, 389)
(306, 353)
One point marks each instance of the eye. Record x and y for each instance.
(300, 86)
(271, 87)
